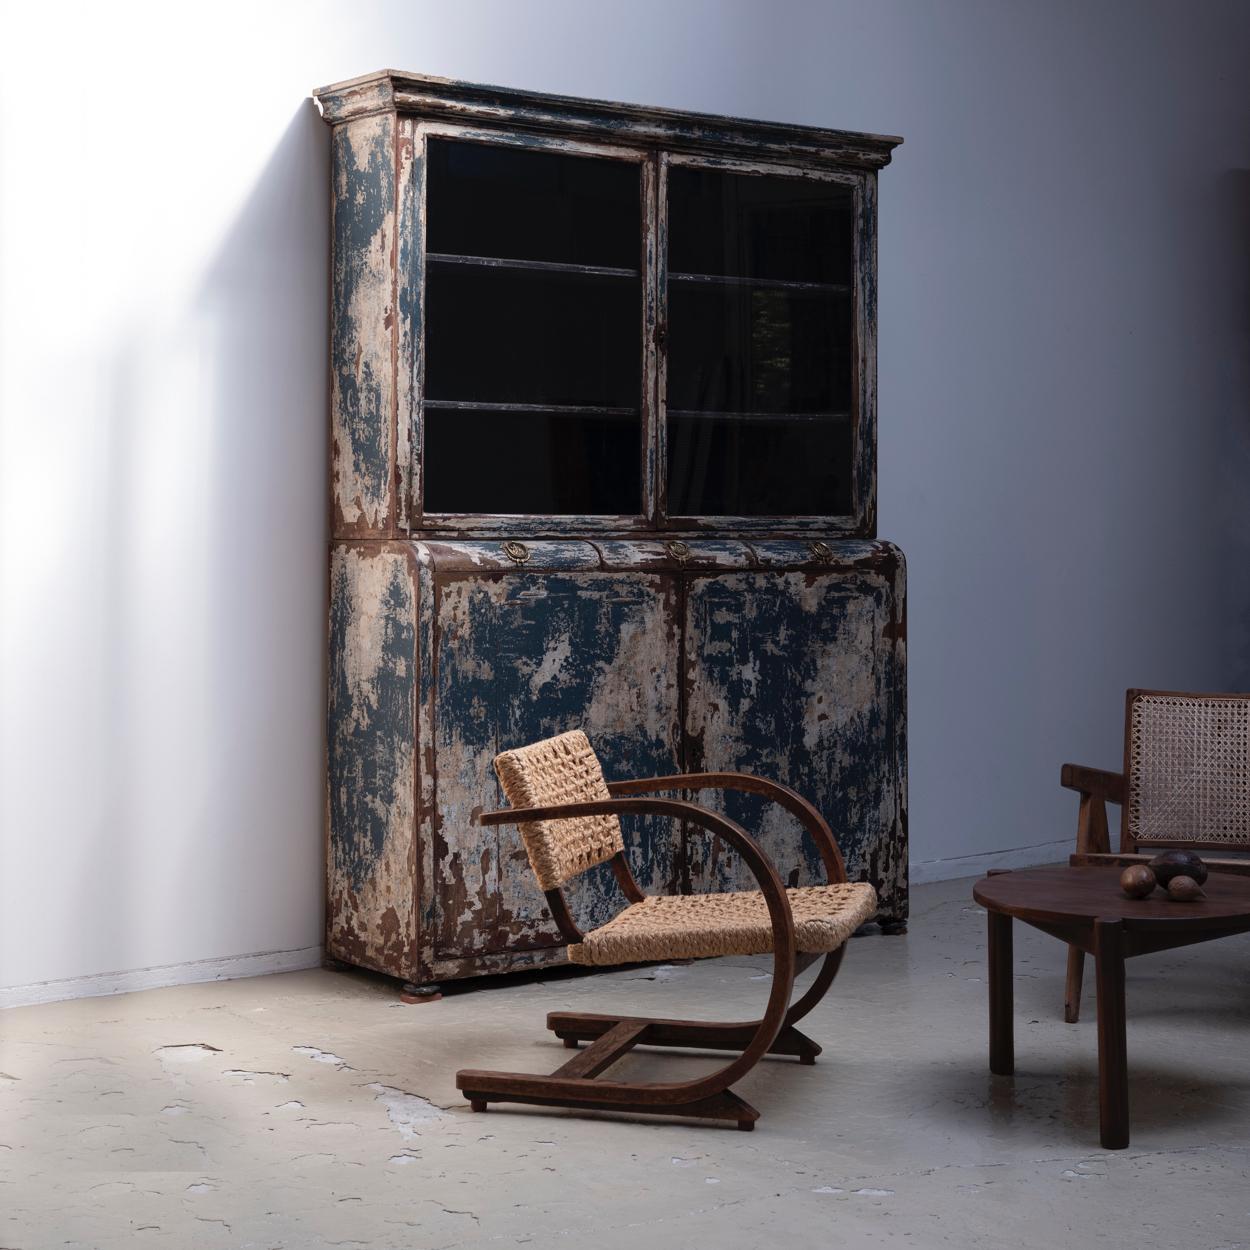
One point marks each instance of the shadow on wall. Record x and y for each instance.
(264, 306)
(213, 621)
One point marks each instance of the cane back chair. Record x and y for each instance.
(1186, 783)
(569, 820)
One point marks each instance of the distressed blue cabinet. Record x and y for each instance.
(603, 454)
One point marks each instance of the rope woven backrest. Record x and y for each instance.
(1188, 766)
(563, 769)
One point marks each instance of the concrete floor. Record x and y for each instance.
(312, 1109)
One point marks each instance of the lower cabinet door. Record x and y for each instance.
(797, 675)
(520, 656)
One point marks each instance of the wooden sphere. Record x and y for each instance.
(1184, 889)
(1178, 864)
(1137, 881)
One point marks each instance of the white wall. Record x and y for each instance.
(1063, 409)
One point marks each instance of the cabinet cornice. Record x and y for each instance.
(444, 99)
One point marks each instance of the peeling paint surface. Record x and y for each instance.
(521, 658)
(796, 676)
(410, 307)
(404, 1110)
(372, 747)
(361, 323)
(444, 654)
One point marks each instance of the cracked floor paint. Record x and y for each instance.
(160, 1119)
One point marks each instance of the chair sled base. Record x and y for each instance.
(574, 1085)
(574, 1027)
(725, 1106)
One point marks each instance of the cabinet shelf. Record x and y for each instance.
(766, 284)
(563, 410)
(531, 266)
(609, 271)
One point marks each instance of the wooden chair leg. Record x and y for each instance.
(610, 1037)
(574, 1027)
(578, 1084)
(1092, 836)
(574, 1085)
(1072, 991)
(589, 1095)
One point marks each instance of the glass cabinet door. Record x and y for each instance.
(760, 344)
(532, 396)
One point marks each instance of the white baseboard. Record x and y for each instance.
(977, 865)
(227, 968)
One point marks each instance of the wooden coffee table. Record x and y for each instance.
(1086, 907)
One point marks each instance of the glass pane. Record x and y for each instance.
(485, 200)
(531, 462)
(743, 348)
(761, 335)
(743, 224)
(533, 303)
(759, 466)
(531, 337)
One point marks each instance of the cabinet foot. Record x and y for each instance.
(411, 993)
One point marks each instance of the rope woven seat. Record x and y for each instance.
(702, 926)
(569, 818)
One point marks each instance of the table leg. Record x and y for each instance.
(1002, 1042)
(1112, 1048)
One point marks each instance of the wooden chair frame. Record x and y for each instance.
(575, 1084)
(1097, 787)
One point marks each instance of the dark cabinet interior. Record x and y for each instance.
(536, 330)
(486, 199)
(533, 332)
(760, 376)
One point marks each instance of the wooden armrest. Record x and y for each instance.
(1093, 781)
(793, 802)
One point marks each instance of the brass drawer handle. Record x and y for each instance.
(678, 550)
(517, 552)
(820, 551)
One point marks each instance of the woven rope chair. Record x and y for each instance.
(569, 819)
(1186, 783)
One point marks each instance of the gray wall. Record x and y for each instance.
(1063, 411)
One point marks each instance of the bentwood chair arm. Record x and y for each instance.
(793, 802)
(1094, 782)
(752, 853)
